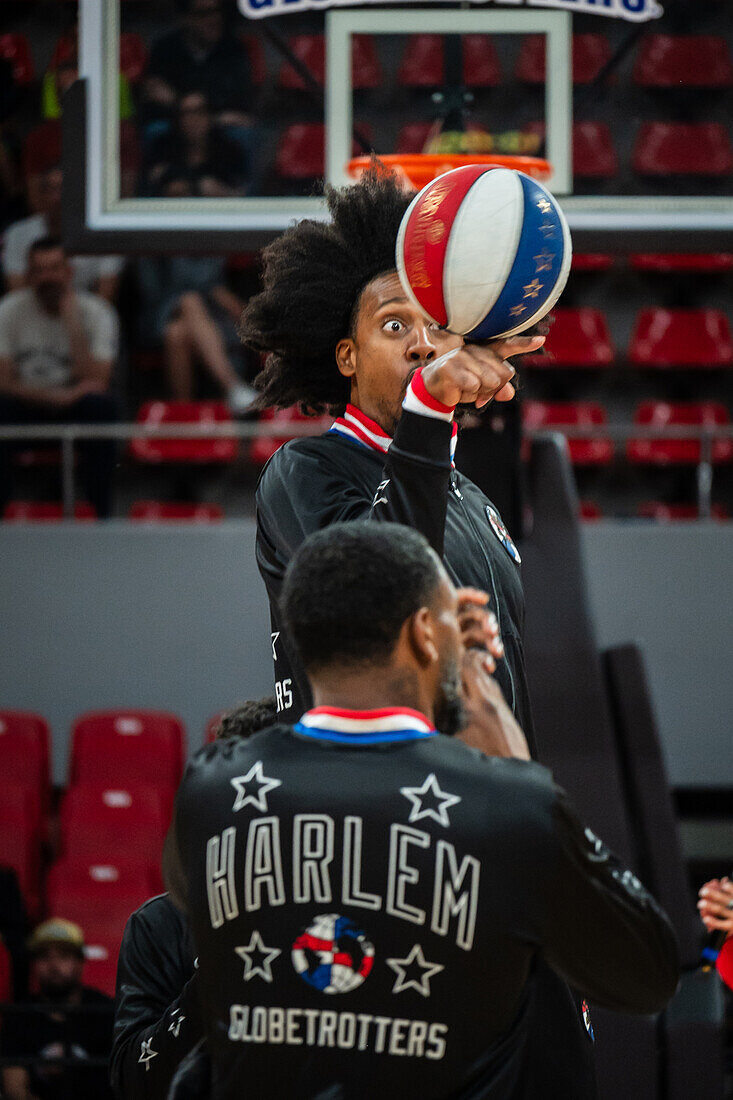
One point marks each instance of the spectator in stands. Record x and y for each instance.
(11, 190)
(99, 274)
(198, 151)
(203, 54)
(57, 350)
(157, 1019)
(49, 1032)
(188, 307)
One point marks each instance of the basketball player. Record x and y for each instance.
(340, 335)
(369, 898)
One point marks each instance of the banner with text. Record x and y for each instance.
(636, 11)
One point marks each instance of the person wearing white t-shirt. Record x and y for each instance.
(57, 350)
(98, 274)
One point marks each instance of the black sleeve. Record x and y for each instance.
(412, 488)
(157, 1016)
(605, 934)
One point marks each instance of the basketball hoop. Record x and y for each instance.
(418, 169)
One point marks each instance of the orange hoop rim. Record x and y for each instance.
(420, 168)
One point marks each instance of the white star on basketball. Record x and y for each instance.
(261, 787)
(430, 791)
(416, 965)
(147, 1052)
(258, 958)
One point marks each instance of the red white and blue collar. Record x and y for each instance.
(355, 425)
(365, 727)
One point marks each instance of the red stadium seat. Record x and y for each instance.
(671, 452)
(693, 262)
(423, 62)
(589, 511)
(106, 822)
(25, 799)
(412, 137)
(311, 51)
(590, 54)
(592, 261)
(16, 49)
(300, 150)
(98, 892)
(117, 747)
(596, 450)
(670, 513)
(160, 511)
(24, 752)
(44, 511)
(42, 148)
(683, 61)
(262, 449)
(125, 875)
(101, 951)
(594, 154)
(681, 338)
(256, 55)
(196, 451)
(683, 149)
(133, 56)
(577, 338)
(6, 974)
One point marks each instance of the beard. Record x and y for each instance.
(58, 991)
(450, 715)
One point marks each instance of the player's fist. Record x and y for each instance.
(477, 373)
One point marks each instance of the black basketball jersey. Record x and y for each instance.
(370, 900)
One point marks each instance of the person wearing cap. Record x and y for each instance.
(63, 1034)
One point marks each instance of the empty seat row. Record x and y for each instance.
(661, 338)
(598, 449)
(142, 511)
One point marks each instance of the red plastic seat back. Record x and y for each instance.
(256, 56)
(577, 338)
(44, 511)
(127, 746)
(423, 62)
(683, 60)
(590, 54)
(101, 951)
(20, 850)
(712, 262)
(104, 899)
(413, 136)
(42, 148)
(310, 50)
(24, 751)
(683, 148)
(594, 154)
(133, 56)
(195, 451)
(262, 449)
(681, 338)
(161, 511)
(668, 452)
(300, 150)
(595, 450)
(16, 49)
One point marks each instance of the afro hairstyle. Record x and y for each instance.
(312, 281)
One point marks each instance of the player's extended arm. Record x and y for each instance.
(605, 934)
(157, 1022)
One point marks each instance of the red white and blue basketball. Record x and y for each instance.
(485, 252)
(332, 954)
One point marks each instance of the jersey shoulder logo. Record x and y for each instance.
(380, 497)
(499, 528)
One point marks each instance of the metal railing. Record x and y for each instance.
(68, 434)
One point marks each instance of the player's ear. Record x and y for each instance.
(346, 357)
(422, 637)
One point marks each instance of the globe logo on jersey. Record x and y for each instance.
(332, 954)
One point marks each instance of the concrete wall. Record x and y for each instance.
(176, 618)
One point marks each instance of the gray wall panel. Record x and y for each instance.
(176, 618)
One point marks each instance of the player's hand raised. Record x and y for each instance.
(477, 373)
(479, 625)
(491, 727)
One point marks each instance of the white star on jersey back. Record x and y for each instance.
(262, 785)
(430, 791)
